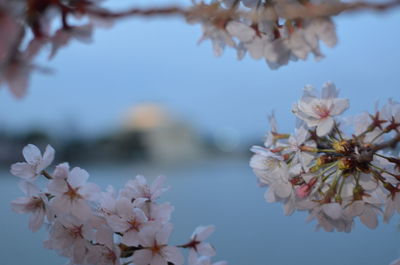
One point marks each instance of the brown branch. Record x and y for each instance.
(288, 11)
(392, 143)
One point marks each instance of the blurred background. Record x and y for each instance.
(143, 98)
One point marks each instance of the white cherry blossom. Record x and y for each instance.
(320, 112)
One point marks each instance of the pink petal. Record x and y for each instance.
(36, 220)
(163, 234)
(77, 177)
(173, 254)
(333, 210)
(81, 210)
(369, 218)
(142, 257)
(23, 170)
(19, 205)
(28, 188)
(158, 260)
(130, 238)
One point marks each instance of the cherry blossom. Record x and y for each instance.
(70, 237)
(88, 226)
(35, 203)
(154, 239)
(319, 112)
(335, 175)
(197, 245)
(71, 194)
(34, 164)
(128, 221)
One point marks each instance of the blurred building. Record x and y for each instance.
(165, 138)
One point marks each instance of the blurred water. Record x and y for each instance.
(224, 193)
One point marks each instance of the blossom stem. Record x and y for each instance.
(377, 136)
(385, 171)
(392, 143)
(338, 131)
(46, 174)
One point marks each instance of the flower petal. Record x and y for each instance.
(325, 126)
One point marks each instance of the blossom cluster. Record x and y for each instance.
(336, 169)
(267, 34)
(90, 226)
(275, 31)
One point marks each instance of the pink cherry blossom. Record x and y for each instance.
(71, 194)
(35, 203)
(197, 245)
(128, 221)
(35, 162)
(156, 251)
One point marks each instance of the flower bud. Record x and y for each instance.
(325, 159)
(343, 147)
(346, 163)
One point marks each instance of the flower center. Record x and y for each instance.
(35, 204)
(134, 224)
(73, 193)
(322, 111)
(75, 232)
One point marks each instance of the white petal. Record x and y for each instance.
(32, 154)
(241, 31)
(355, 209)
(340, 105)
(333, 210)
(329, 90)
(325, 126)
(282, 190)
(269, 195)
(47, 159)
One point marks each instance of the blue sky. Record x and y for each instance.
(158, 60)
